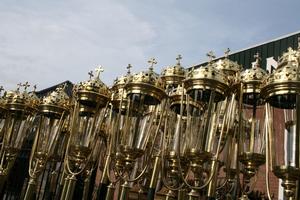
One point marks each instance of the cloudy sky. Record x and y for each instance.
(49, 41)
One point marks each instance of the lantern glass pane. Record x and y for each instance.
(138, 123)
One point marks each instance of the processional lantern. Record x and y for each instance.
(139, 116)
(90, 99)
(281, 91)
(21, 111)
(251, 122)
(52, 113)
(205, 86)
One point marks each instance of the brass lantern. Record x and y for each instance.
(141, 121)
(209, 86)
(252, 145)
(21, 107)
(90, 100)
(281, 91)
(118, 106)
(52, 113)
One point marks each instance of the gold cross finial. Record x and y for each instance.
(129, 66)
(19, 86)
(152, 62)
(26, 85)
(98, 70)
(178, 58)
(90, 73)
(227, 52)
(211, 56)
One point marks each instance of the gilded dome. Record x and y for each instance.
(21, 102)
(206, 79)
(173, 74)
(55, 102)
(283, 83)
(252, 78)
(93, 91)
(148, 83)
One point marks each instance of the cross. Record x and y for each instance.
(227, 52)
(19, 86)
(26, 85)
(128, 68)
(98, 70)
(152, 62)
(178, 58)
(91, 74)
(211, 55)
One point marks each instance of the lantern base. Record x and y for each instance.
(251, 161)
(289, 176)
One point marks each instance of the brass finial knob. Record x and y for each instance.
(178, 58)
(211, 55)
(152, 62)
(98, 70)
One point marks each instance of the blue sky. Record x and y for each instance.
(47, 42)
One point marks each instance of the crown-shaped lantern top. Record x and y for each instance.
(252, 78)
(228, 66)
(208, 77)
(118, 92)
(56, 102)
(148, 83)
(93, 91)
(19, 101)
(281, 85)
(173, 74)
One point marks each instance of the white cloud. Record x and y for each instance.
(46, 45)
(46, 42)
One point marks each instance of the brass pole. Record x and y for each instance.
(193, 195)
(110, 192)
(104, 182)
(170, 195)
(125, 189)
(63, 183)
(181, 194)
(86, 186)
(31, 187)
(211, 190)
(70, 189)
(154, 177)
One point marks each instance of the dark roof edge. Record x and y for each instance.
(250, 47)
(53, 87)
